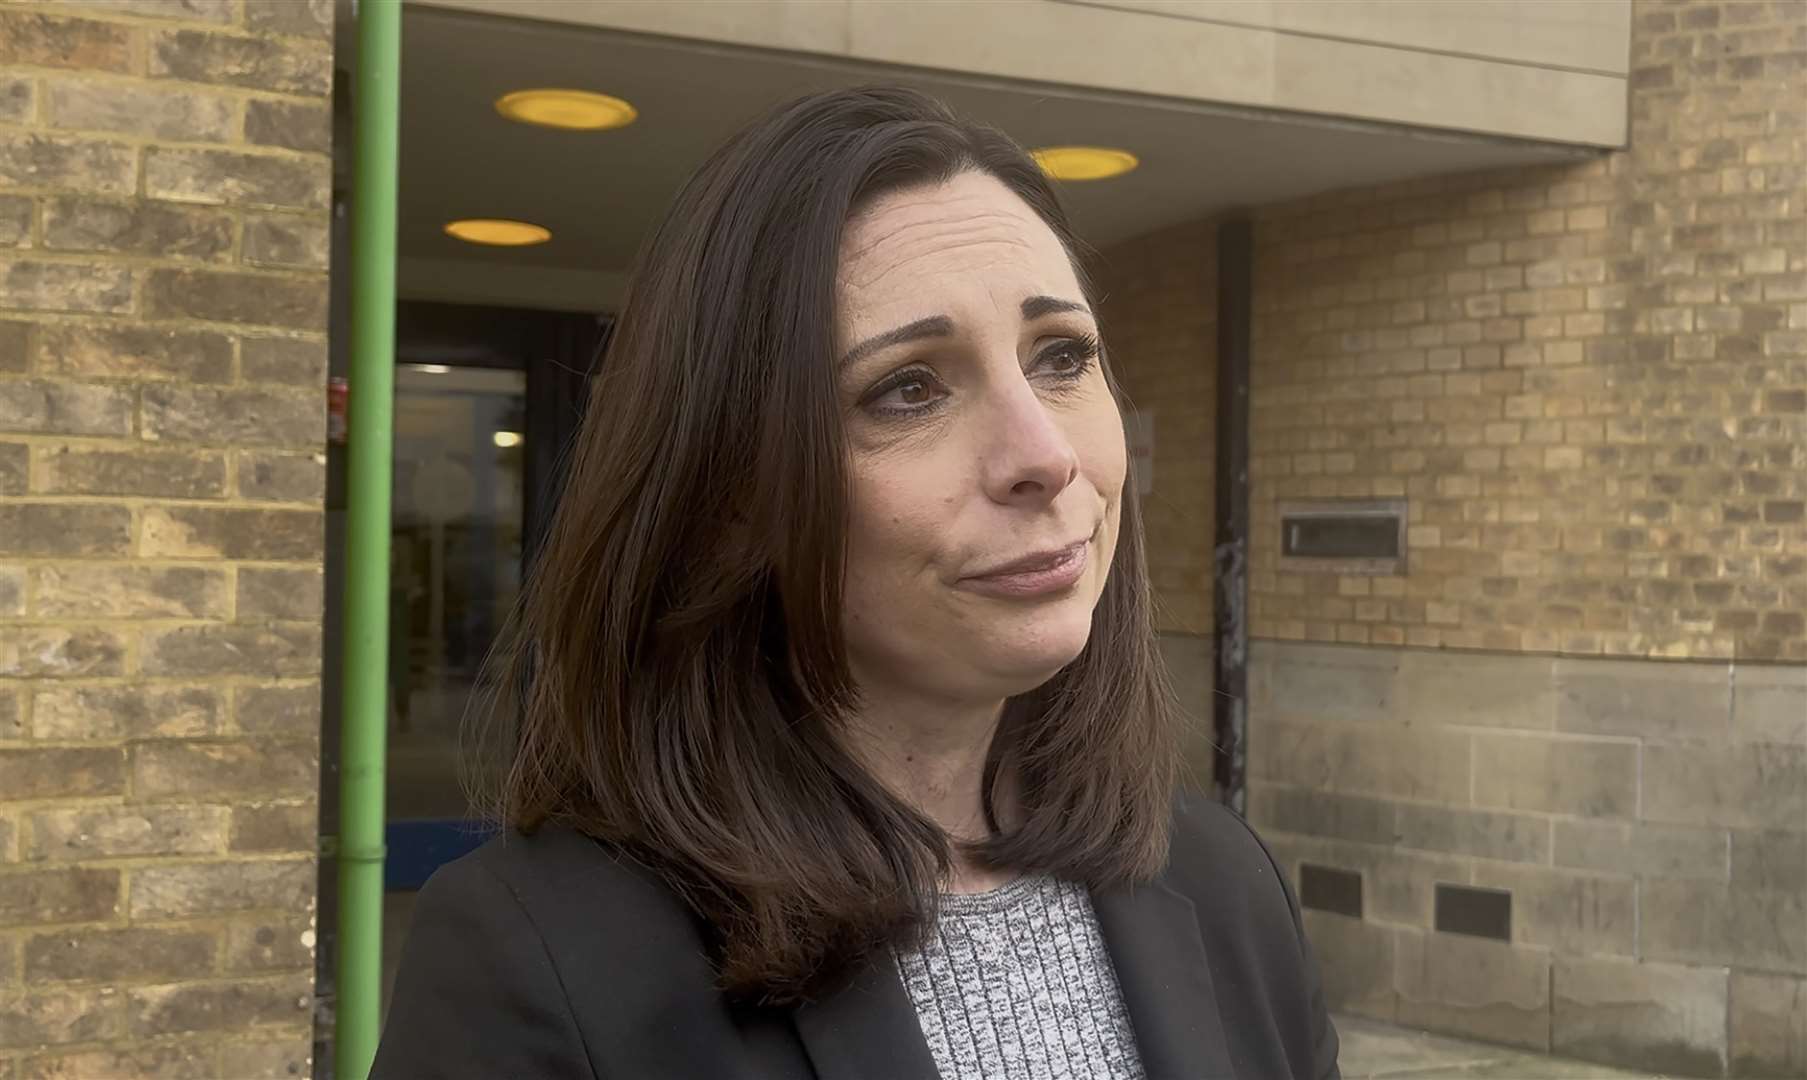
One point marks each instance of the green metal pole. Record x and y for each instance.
(370, 446)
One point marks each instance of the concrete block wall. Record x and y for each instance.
(1648, 819)
(164, 202)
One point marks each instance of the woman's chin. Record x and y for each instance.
(1026, 657)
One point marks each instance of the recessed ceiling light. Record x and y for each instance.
(498, 231)
(506, 439)
(572, 110)
(1084, 162)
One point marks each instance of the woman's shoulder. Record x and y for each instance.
(559, 879)
(1216, 857)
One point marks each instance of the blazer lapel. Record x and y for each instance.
(1152, 935)
(867, 1030)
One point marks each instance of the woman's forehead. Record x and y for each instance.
(913, 239)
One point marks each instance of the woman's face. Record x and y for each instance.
(986, 453)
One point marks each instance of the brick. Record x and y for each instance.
(132, 108)
(158, 1061)
(278, 827)
(1768, 1025)
(269, 944)
(1469, 986)
(127, 831)
(1753, 786)
(14, 468)
(86, 470)
(165, 230)
(1655, 1016)
(1474, 832)
(250, 62)
(127, 712)
(99, 591)
(206, 770)
(54, 407)
(1769, 704)
(1567, 776)
(12, 591)
(268, 1059)
(54, 529)
(172, 892)
(1567, 911)
(215, 11)
(276, 649)
(255, 417)
(1643, 849)
(49, 773)
(67, 163)
(248, 299)
(300, 18)
(47, 1017)
(278, 710)
(291, 361)
(287, 241)
(18, 99)
(114, 955)
(225, 1006)
(50, 41)
(282, 477)
(135, 351)
(281, 594)
(15, 221)
(54, 896)
(55, 286)
(15, 345)
(1644, 697)
(231, 178)
(204, 532)
(292, 125)
(51, 652)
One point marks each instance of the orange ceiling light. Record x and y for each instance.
(1084, 162)
(567, 110)
(498, 232)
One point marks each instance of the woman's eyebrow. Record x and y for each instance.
(933, 326)
(1037, 306)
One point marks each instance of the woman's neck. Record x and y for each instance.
(932, 755)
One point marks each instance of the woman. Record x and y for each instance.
(845, 751)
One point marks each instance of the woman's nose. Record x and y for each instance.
(1028, 457)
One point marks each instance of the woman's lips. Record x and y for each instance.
(1038, 575)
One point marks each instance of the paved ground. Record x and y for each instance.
(1372, 1051)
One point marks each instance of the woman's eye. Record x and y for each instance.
(914, 392)
(1069, 359)
(907, 392)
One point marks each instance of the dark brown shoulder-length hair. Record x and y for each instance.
(677, 657)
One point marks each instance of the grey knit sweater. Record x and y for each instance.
(1015, 984)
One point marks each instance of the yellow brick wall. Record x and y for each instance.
(1160, 325)
(1590, 381)
(164, 222)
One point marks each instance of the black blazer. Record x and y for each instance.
(547, 956)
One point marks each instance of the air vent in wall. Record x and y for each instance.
(1326, 888)
(1486, 913)
(1346, 535)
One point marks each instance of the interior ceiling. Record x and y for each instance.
(599, 192)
